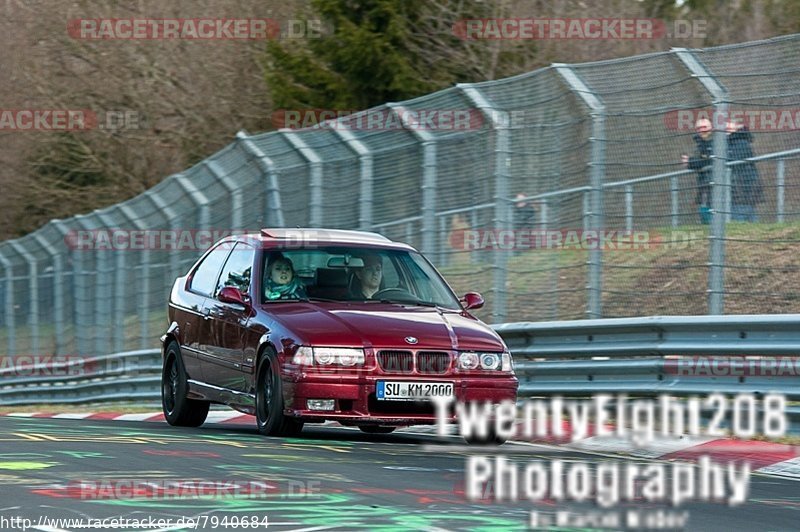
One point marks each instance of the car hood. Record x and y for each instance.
(382, 326)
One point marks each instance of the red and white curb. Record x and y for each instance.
(764, 457)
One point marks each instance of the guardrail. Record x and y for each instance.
(128, 376)
(636, 356)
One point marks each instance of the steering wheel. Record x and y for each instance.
(405, 294)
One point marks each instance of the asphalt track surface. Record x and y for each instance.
(331, 478)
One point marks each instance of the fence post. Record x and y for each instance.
(597, 176)
(315, 182)
(727, 184)
(33, 290)
(173, 217)
(118, 285)
(9, 303)
(143, 286)
(501, 124)
(366, 178)
(781, 193)
(720, 184)
(629, 207)
(429, 175)
(267, 168)
(235, 193)
(543, 219)
(58, 285)
(81, 315)
(675, 200)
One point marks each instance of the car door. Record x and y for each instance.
(223, 365)
(194, 323)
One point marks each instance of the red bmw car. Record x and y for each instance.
(302, 326)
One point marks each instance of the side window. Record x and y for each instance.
(237, 269)
(205, 276)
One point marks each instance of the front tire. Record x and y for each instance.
(179, 410)
(269, 401)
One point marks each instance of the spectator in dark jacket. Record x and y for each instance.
(700, 162)
(746, 188)
(524, 212)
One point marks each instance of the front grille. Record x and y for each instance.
(433, 362)
(396, 361)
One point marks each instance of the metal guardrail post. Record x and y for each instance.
(235, 193)
(33, 290)
(144, 285)
(501, 123)
(429, 176)
(274, 209)
(596, 202)
(781, 191)
(365, 201)
(315, 183)
(9, 303)
(720, 184)
(58, 284)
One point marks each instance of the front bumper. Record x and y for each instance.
(355, 401)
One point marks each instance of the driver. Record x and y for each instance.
(281, 282)
(368, 279)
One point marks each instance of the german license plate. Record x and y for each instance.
(412, 391)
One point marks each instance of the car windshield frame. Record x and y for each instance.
(414, 280)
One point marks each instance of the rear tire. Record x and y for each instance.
(269, 401)
(376, 429)
(179, 410)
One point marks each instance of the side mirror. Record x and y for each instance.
(472, 301)
(229, 294)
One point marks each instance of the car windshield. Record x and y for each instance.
(356, 275)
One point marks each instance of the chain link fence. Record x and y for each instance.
(565, 197)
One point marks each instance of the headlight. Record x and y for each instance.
(490, 361)
(304, 356)
(468, 361)
(326, 356)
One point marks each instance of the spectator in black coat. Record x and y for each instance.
(746, 188)
(700, 162)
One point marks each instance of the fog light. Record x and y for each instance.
(320, 404)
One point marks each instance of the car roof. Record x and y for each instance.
(319, 237)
